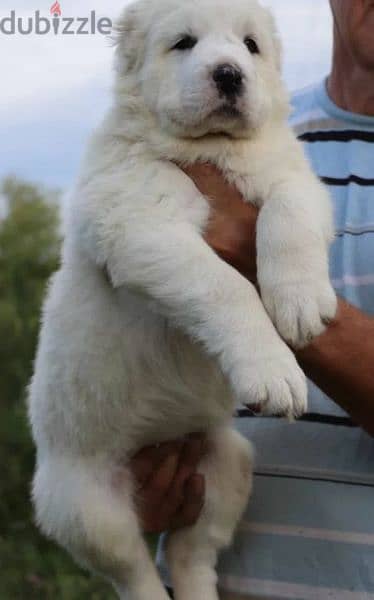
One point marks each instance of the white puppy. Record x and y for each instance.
(147, 335)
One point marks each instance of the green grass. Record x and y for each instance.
(31, 567)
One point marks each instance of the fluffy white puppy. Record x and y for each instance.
(147, 335)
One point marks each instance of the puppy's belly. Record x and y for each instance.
(172, 375)
(182, 392)
(113, 376)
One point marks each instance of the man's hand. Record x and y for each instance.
(340, 361)
(170, 492)
(232, 227)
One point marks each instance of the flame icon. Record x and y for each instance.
(56, 9)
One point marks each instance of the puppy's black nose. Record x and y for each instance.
(229, 80)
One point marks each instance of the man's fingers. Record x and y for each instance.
(170, 490)
(160, 497)
(158, 485)
(145, 463)
(190, 455)
(192, 452)
(193, 502)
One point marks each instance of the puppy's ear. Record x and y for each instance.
(129, 37)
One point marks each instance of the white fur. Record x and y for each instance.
(179, 336)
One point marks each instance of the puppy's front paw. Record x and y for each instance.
(276, 385)
(300, 311)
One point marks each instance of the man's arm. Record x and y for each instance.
(341, 360)
(341, 363)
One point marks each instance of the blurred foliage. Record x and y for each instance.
(30, 566)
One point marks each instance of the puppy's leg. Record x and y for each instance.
(82, 506)
(294, 230)
(165, 258)
(192, 552)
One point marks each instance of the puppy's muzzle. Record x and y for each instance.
(229, 80)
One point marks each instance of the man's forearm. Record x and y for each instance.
(341, 363)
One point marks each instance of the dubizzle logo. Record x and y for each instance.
(57, 25)
(56, 9)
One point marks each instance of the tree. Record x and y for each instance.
(31, 567)
(29, 249)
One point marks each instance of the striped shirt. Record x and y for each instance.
(308, 531)
(340, 146)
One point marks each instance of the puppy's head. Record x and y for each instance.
(203, 66)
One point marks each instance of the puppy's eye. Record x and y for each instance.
(252, 45)
(187, 42)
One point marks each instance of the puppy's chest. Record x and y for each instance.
(246, 165)
(247, 184)
(246, 173)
